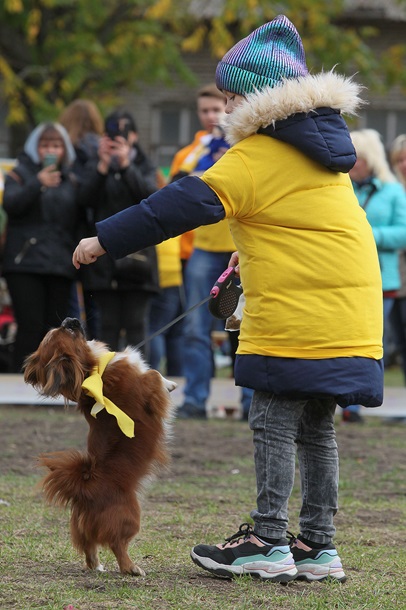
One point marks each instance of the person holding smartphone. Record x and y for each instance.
(40, 199)
(120, 177)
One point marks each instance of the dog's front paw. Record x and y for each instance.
(100, 568)
(169, 385)
(136, 570)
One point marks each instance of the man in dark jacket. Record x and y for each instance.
(120, 177)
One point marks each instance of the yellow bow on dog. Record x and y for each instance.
(93, 385)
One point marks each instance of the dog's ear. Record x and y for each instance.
(64, 376)
(31, 369)
(60, 364)
(61, 376)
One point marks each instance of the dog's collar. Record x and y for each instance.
(93, 386)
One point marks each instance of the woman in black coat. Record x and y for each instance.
(40, 199)
(120, 177)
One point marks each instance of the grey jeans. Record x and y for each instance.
(282, 428)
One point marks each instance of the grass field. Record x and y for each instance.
(394, 377)
(207, 492)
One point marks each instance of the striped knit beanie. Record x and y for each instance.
(268, 55)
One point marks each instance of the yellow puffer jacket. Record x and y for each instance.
(300, 255)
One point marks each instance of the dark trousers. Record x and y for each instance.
(168, 345)
(40, 302)
(122, 316)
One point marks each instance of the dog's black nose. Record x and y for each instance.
(72, 324)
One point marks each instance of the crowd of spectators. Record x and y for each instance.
(83, 168)
(74, 172)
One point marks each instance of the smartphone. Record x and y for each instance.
(113, 130)
(50, 159)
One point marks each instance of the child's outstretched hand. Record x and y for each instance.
(87, 251)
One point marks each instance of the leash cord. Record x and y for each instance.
(182, 315)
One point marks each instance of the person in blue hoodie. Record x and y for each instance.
(311, 331)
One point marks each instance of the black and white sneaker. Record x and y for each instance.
(316, 564)
(243, 553)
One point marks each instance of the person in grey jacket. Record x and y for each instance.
(40, 199)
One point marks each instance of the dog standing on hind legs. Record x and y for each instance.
(128, 409)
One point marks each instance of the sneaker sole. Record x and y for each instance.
(313, 573)
(263, 570)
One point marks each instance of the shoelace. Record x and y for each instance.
(291, 537)
(245, 531)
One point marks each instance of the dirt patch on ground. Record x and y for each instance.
(198, 448)
(27, 431)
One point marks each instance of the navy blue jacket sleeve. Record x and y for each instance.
(179, 207)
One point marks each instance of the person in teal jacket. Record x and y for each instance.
(383, 198)
(311, 331)
(397, 158)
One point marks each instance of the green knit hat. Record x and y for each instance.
(268, 55)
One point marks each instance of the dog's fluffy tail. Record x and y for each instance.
(71, 477)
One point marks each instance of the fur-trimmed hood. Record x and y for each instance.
(304, 94)
(304, 112)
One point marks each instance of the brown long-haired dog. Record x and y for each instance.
(100, 485)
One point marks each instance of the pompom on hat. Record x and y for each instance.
(270, 54)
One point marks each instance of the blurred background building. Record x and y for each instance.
(166, 116)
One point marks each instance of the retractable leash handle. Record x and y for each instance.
(225, 295)
(223, 301)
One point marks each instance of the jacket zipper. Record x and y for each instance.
(30, 242)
